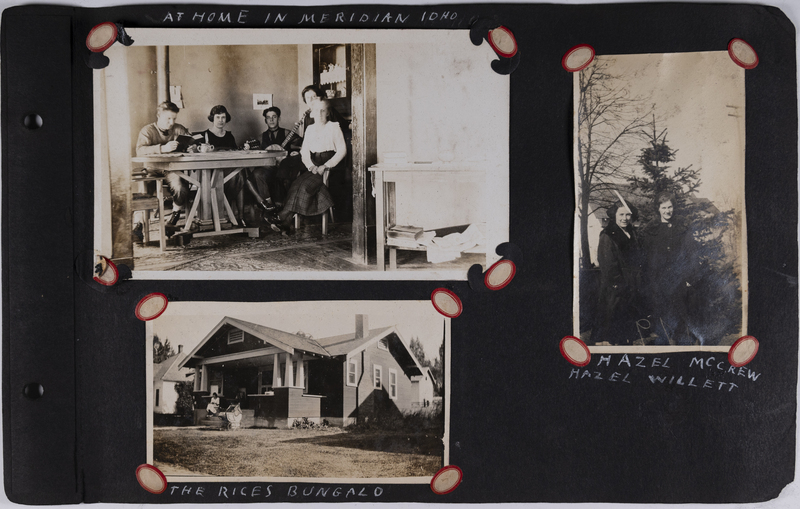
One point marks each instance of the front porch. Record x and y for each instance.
(269, 377)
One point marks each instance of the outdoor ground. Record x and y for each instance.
(331, 453)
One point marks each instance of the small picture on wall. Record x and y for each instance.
(262, 101)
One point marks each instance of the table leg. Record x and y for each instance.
(193, 212)
(380, 220)
(392, 258)
(214, 200)
(162, 238)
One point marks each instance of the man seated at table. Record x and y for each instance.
(278, 138)
(160, 137)
(276, 135)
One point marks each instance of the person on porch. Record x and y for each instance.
(213, 405)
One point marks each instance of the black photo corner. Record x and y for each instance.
(688, 422)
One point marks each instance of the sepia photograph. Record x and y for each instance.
(660, 240)
(300, 154)
(295, 390)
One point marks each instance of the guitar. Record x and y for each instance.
(289, 137)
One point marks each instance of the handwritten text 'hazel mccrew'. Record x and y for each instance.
(640, 361)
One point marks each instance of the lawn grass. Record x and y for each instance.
(298, 453)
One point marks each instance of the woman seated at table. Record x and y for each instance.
(224, 140)
(323, 150)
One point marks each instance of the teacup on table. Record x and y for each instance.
(205, 147)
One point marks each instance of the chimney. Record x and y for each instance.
(362, 326)
(180, 348)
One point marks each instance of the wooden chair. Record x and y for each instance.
(324, 214)
(146, 202)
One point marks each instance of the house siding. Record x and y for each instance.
(325, 378)
(167, 398)
(350, 393)
(377, 401)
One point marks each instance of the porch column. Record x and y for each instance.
(197, 374)
(300, 373)
(204, 379)
(276, 370)
(289, 374)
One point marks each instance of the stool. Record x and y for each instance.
(146, 203)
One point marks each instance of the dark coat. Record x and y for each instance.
(670, 261)
(670, 273)
(620, 260)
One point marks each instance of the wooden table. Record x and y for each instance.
(205, 171)
(386, 175)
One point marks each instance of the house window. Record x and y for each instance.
(383, 344)
(377, 372)
(235, 336)
(393, 384)
(351, 372)
(157, 394)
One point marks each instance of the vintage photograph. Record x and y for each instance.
(300, 390)
(301, 153)
(660, 240)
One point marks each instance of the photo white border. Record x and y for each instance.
(355, 304)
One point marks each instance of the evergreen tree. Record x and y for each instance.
(716, 292)
(438, 371)
(416, 348)
(161, 351)
(185, 403)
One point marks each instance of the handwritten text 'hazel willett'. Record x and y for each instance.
(717, 368)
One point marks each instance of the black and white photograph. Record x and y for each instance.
(322, 154)
(660, 240)
(346, 390)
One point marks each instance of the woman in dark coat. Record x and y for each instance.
(670, 268)
(619, 256)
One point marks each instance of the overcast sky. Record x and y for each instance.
(696, 94)
(187, 323)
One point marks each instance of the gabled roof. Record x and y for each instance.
(346, 343)
(274, 336)
(283, 340)
(170, 370)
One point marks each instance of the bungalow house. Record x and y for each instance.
(281, 377)
(165, 375)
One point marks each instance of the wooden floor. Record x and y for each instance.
(306, 250)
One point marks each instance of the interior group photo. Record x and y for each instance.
(315, 151)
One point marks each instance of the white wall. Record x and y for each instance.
(168, 398)
(438, 96)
